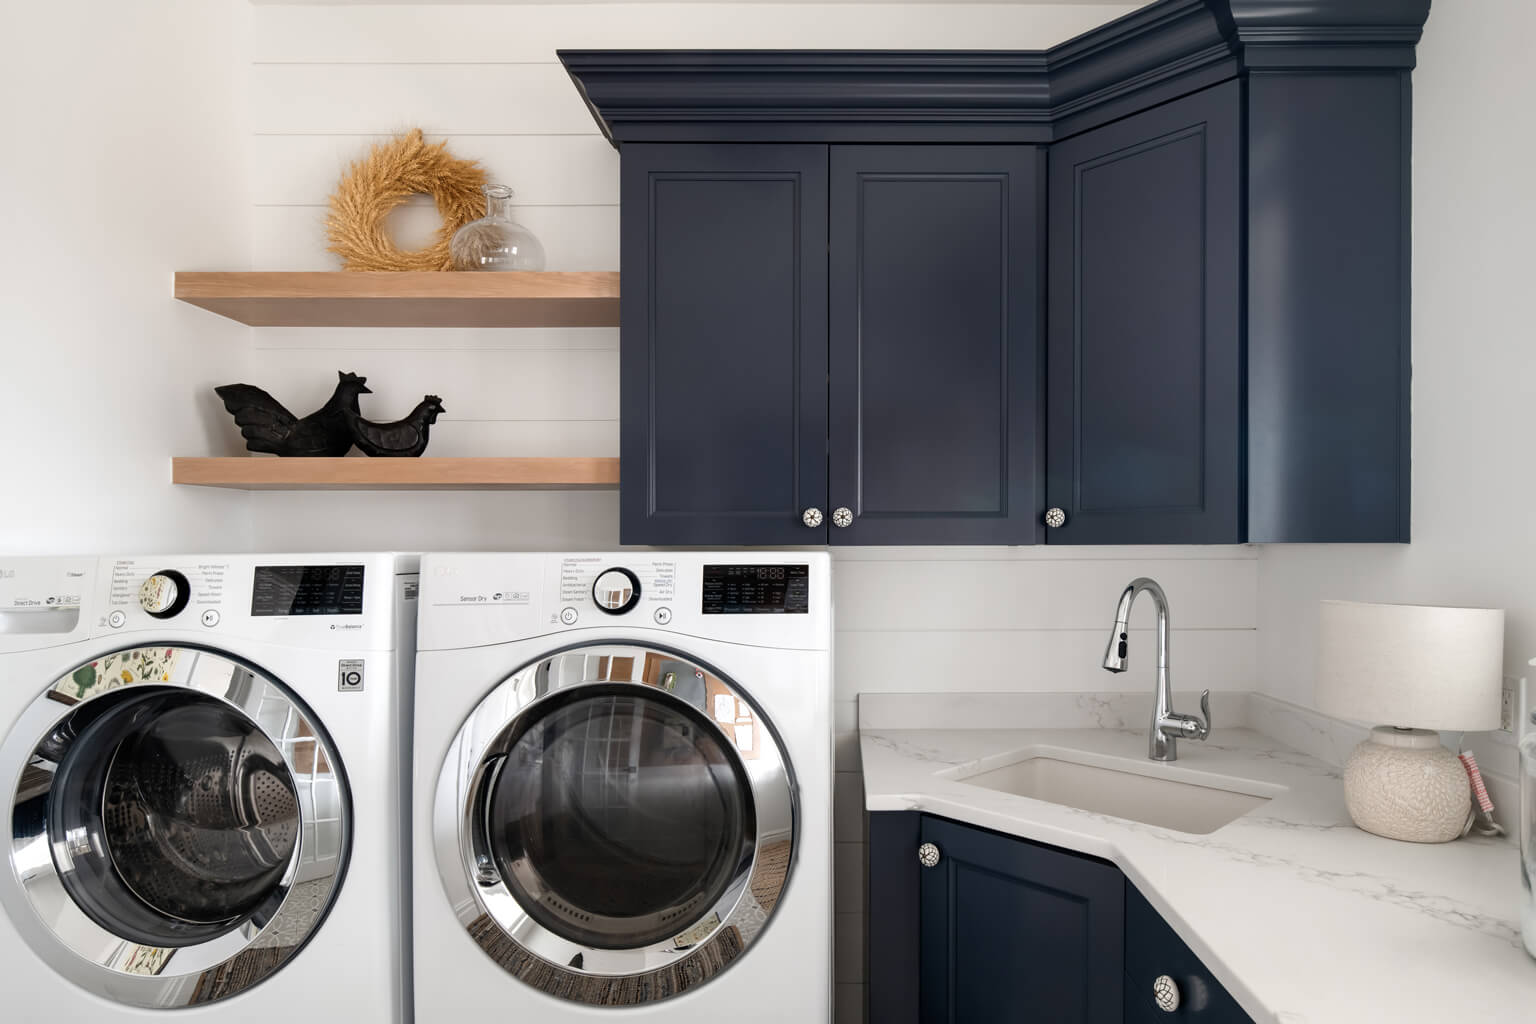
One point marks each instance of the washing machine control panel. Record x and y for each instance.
(324, 602)
(307, 590)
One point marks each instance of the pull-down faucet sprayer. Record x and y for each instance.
(1167, 725)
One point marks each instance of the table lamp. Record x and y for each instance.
(1419, 669)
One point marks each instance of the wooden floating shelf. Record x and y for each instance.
(424, 474)
(382, 299)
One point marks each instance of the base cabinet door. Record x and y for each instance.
(1144, 353)
(1159, 966)
(1013, 932)
(936, 275)
(723, 355)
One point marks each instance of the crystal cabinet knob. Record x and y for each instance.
(928, 855)
(842, 517)
(1055, 517)
(1166, 992)
(811, 517)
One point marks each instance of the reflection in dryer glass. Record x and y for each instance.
(618, 818)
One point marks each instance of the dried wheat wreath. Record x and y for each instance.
(390, 174)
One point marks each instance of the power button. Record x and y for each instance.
(349, 674)
(568, 616)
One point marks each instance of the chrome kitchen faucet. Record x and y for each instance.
(1167, 724)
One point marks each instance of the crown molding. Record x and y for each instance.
(1156, 53)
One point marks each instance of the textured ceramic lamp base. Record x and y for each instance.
(1403, 784)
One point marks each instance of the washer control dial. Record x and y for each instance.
(616, 591)
(165, 594)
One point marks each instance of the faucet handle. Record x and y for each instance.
(1205, 713)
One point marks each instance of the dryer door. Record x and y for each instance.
(179, 826)
(615, 823)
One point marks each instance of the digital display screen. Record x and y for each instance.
(307, 590)
(757, 589)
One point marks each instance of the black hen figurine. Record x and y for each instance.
(402, 439)
(268, 427)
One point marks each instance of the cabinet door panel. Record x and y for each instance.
(1152, 949)
(1016, 932)
(724, 347)
(935, 284)
(1145, 393)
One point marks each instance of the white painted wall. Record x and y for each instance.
(125, 160)
(1474, 479)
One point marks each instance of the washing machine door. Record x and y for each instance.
(179, 825)
(614, 824)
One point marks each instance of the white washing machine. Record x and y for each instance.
(623, 780)
(200, 771)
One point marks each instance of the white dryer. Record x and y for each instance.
(623, 780)
(200, 775)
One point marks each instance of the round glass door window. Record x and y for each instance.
(617, 816)
(615, 811)
(181, 816)
(178, 828)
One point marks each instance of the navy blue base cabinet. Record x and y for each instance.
(992, 929)
(1153, 950)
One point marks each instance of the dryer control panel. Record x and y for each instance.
(761, 598)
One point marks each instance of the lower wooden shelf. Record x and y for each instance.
(425, 474)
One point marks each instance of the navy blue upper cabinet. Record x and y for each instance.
(1155, 277)
(1145, 351)
(723, 382)
(1012, 931)
(935, 322)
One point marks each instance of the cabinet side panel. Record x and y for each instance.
(1328, 287)
(893, 917)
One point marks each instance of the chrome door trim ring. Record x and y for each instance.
(121, 970)
(494, 919)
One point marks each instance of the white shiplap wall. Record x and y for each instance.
(327, 80)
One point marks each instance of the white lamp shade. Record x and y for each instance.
(1413, 666)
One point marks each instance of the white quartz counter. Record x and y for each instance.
(1303, 917)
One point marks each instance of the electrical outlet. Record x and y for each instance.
(1507, 705)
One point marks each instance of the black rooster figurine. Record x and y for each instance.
(404, 438)
(268, 427)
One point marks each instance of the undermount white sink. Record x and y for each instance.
(1107, 785)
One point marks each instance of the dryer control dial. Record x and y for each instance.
(165, 594)
(616, 590)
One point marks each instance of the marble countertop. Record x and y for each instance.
(1303, 917)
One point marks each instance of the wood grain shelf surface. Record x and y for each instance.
(383, 299)
(361, 474)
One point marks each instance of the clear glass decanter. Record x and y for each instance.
(1525, 729)
(496, 241)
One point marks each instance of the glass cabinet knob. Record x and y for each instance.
(1055, 517)
(811, 517)
(842, 517)
(928, 855)
(1166, 991)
